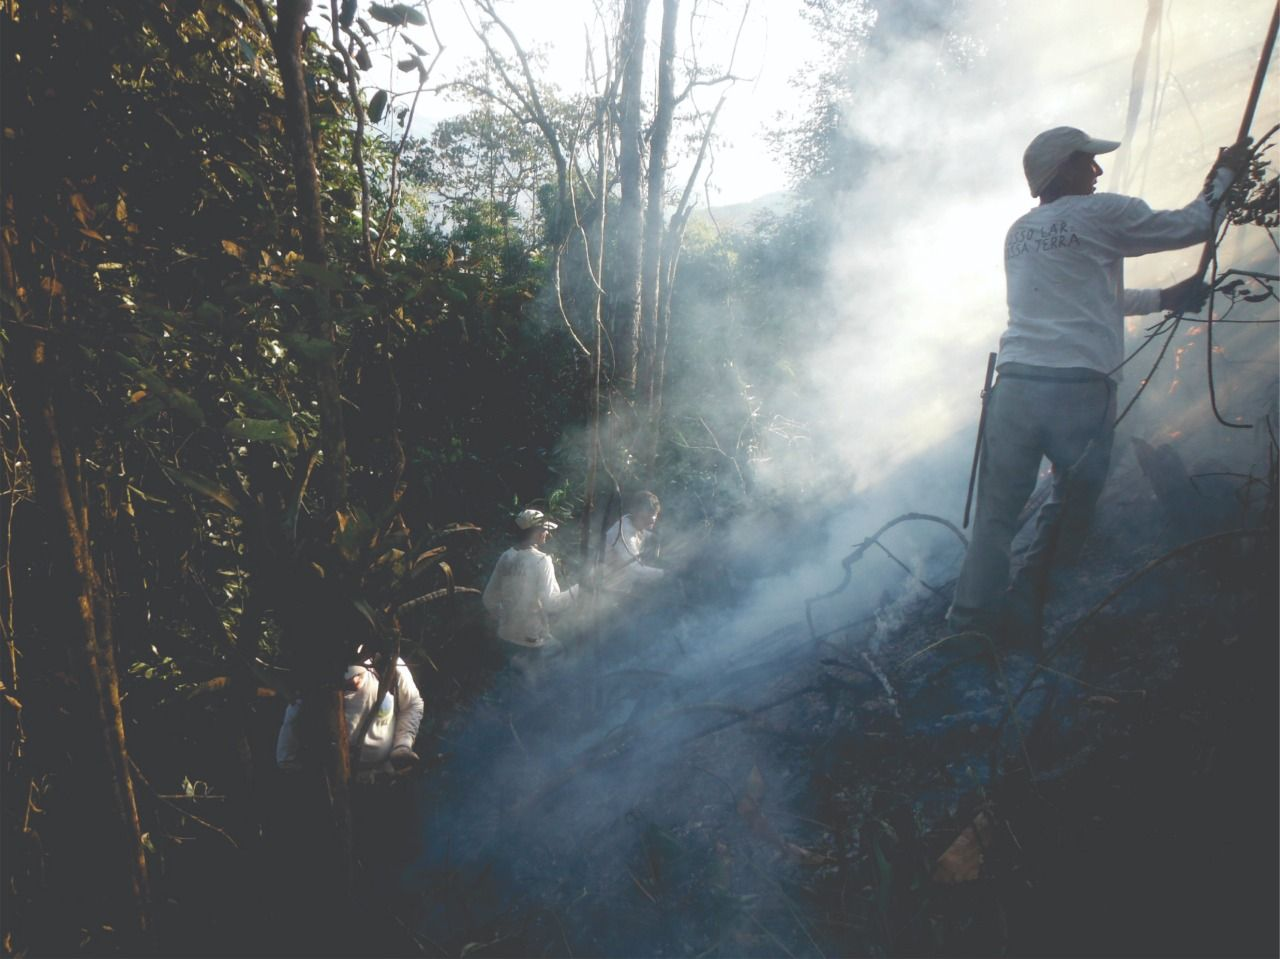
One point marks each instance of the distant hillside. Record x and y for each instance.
(738, 216)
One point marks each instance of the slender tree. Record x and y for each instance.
(626, 298)
(48, 174)
(655, 206)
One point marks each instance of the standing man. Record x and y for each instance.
(1056, 395)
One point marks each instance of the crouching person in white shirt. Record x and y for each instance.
(390, 726)
(523, 590)
(382, 802)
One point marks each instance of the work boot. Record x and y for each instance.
(965, 619)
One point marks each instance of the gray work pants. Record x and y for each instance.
(1067, 415)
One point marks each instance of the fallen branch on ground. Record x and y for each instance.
(866, 544)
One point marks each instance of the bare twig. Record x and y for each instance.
(909, 571)
(186, 813)
(861, 550)
(393, 192)
(357, 141)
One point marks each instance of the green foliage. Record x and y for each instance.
(377, 105)
(150, 218)
(276, 432)
(485, 164)
(397, 14)
(163, 671)
(151, 215)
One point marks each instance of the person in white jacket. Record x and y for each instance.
(1058, 363)
(392, 725)
(523, 588)
(625, 570)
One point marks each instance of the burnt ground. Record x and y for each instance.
(884, 790)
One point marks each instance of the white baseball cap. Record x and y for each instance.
(1048, 151)
(530, 518)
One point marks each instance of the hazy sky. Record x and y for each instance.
(1046, 63)
(773, 45)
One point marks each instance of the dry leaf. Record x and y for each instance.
(962, 862)
(84, 212)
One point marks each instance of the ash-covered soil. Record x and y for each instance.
(884, 789)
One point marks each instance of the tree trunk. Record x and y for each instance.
(77, 592)
(287, 43)
(673, 242)
(326, 727)
(625, 312)
(116, 860)
(655, 216)
(593, 454)
(672, 245)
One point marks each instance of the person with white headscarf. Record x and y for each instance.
(625, 568)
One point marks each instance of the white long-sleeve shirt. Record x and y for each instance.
(623, 568)
(521, 591)
(394, 724)
(1064, 270)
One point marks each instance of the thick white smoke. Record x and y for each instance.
(915, 278)
(915, 282)
(917, 275)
